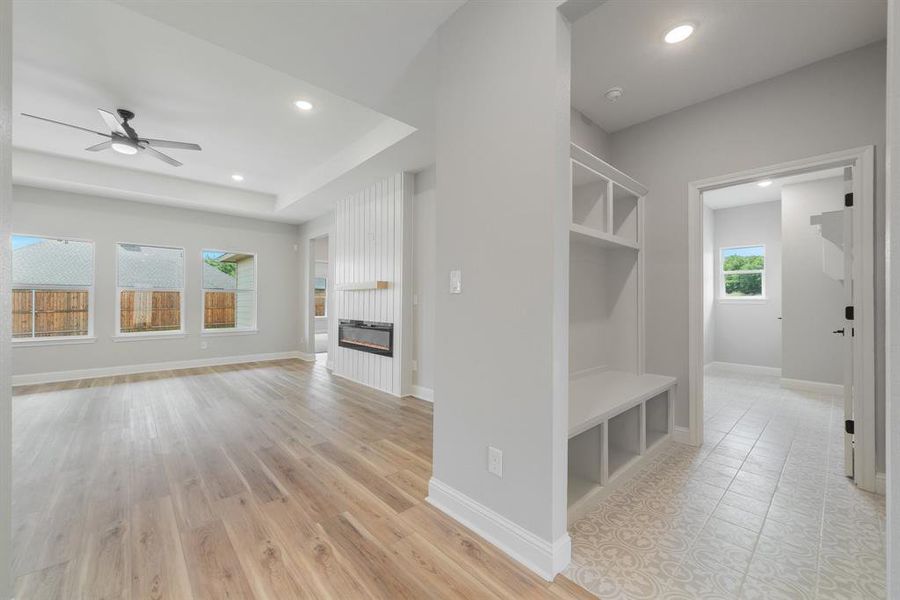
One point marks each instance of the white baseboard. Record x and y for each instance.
(880, 483)
(742, 368)
(682, 435)
(55, 376)
(422, 393)
(306, 356)
(812, 386)
(544, 558)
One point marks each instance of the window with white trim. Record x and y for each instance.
(229, 290)
(150, 289)
(52, 288)
(742, 272)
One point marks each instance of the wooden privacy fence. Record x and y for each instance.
(145, 310)
(46, 313)
(218, 309)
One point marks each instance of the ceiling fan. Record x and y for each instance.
(124, 139)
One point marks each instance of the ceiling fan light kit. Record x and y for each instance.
(124, 139)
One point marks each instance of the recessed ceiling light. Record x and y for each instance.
(679, 33)
(124, 148)
(613, 94)
(237, 177)
(765, 183)
(303, 104)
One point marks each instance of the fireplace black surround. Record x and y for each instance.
(367, 336)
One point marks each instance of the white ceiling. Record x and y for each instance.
(751, 193)
(736, 43)
(227, 80)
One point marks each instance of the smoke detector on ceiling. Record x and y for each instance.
(613, 94)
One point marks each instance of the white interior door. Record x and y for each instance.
(847, 331)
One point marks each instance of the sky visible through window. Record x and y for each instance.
(748, 251)
(20, 241)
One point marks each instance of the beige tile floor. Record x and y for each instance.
(762, 510)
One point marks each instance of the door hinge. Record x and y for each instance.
(848, 313)
(848, 426)
(848, 200)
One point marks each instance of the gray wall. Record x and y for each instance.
(589, 135)
(6, 590)
(106, 222)
(813, 302)
(501, 345)
(424, 228)
(835, 104)
(893, 309)
(748, 332)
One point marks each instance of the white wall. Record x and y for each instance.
(748, 332)
(501, 345)
(709, 285)
(589, 135)
(424, 229)
(813, 302)
(835, 104)
(106, 222)
(373, 241)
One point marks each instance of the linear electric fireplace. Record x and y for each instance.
(367, 336)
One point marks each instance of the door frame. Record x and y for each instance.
(863, 159)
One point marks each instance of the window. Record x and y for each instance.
(320, 285)
(52, 293)
(743, 272)
(150, 289)
(229, 290)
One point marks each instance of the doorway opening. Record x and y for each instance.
(782, 309)
(320, 288)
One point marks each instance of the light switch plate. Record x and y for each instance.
(456, 281)
(495, 461)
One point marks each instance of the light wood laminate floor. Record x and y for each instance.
(265, 480)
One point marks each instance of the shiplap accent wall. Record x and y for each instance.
(373, 241)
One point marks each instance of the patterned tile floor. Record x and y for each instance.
(762, 510)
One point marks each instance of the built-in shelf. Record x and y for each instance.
(597, 395)
(361, 285)
(606, 240)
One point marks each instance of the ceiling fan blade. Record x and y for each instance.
(106, 135)
(161, 156)
(171, 144)
(99, 147)
(112, 122)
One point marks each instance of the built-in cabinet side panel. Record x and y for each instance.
(588, 308)
(371, 239)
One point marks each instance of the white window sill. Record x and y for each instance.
(225, 332)
(53, 341)
(135, 337)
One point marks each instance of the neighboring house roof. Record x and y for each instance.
(61, 262)
(53, 262)
(150, 267)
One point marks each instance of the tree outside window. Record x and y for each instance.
(743, 272)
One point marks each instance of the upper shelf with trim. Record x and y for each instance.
(605, 203)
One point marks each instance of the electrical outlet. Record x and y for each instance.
(203, 345)
(415, 365)
(415, 299)
(495, 461)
